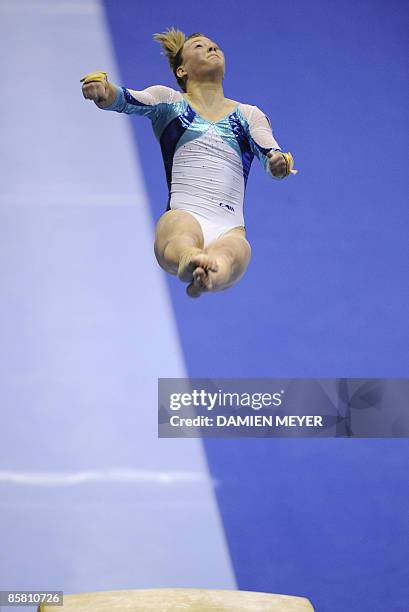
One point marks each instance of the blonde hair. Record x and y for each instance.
(172, 42)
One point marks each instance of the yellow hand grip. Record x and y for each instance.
(290, 164)
(94, 77)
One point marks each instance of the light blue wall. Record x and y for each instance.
(90, 499)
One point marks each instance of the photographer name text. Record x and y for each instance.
(256, 420)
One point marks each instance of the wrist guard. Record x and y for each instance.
(289, 161)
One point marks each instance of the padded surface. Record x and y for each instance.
(167, 600)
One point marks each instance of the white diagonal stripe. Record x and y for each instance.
(107, 475)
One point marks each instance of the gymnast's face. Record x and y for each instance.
(202, 58)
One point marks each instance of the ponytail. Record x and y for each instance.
(172, 42)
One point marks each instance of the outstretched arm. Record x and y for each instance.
(154, 102)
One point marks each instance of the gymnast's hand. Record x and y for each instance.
(281, 164)
(96, 87)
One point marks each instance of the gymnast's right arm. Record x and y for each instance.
(155, 102)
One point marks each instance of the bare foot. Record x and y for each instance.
(202, 281)
(192, 260)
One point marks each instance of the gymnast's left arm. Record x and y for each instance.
(265, 147)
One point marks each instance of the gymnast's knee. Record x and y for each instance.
(160, 254)
(235, 246)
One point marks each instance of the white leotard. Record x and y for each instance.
(207, 163)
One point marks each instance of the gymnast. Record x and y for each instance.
(208, 143)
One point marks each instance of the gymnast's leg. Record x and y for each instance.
(232, 253)
(179, 245)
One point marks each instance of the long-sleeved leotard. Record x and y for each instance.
(207, 163)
